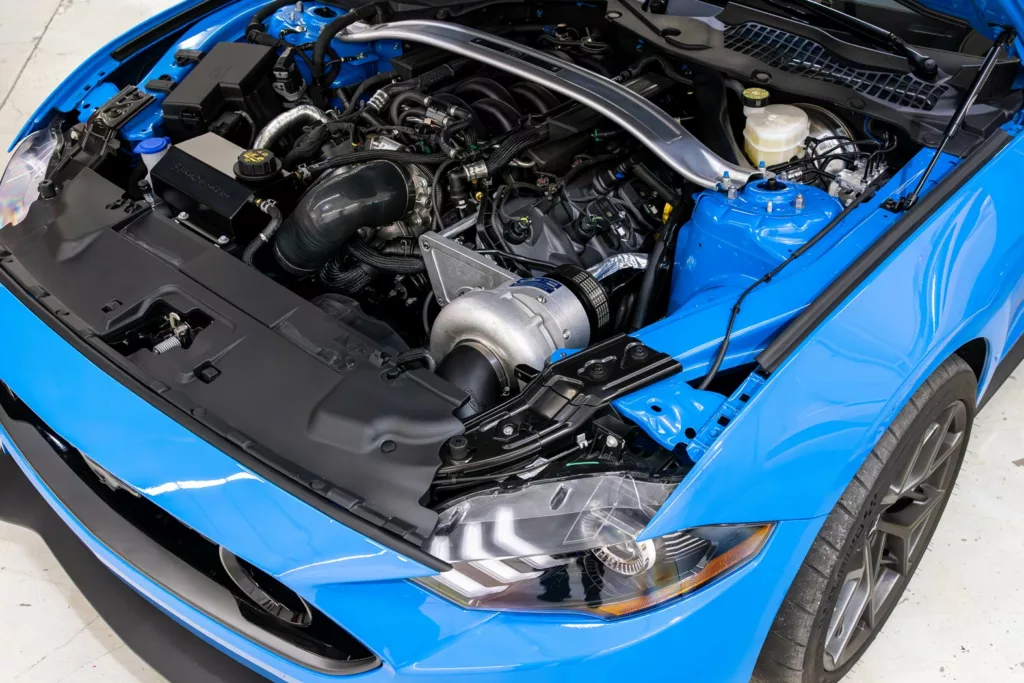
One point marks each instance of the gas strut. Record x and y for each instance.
(953, 127)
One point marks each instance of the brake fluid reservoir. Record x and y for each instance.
(728, 243)
(774, 133)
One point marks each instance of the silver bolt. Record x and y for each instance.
(508, 430)
(771, 206)
(798, 202)
(611, 442)
(425, 245)
(566, 335)
(542, 300)
(223, 239)
(182, 216)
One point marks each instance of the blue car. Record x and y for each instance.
(510, 341)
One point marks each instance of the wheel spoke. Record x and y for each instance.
(854, 599)
(907, 512)
(908, 523)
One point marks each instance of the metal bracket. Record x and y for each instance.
(648, 123)
(454, 269)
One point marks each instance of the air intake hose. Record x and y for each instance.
(331, 212)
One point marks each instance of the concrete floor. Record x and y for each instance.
(961, 620)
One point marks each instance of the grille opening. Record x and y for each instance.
(320, 636)
(803, 57)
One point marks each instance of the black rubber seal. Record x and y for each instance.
(172, 24)
(844, 285)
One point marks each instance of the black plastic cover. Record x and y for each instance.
(231, 77)
(298, 391)
(217, 201)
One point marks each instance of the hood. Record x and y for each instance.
(984, 16)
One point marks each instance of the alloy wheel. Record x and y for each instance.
(897, 536)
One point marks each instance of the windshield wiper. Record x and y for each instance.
(922, 66)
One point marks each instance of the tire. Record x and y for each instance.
(868, 528)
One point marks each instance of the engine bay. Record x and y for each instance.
(482, 206)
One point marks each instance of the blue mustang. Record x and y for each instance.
(516, 341)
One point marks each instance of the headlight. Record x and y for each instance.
(571, 546)
(20, 182)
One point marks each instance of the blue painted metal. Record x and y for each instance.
(361, 60)
(787, 453)
(985, 16)
(729, 243)
(790, 453)
(86, 85)
(420, 636)
(693, 332)
(723, 417)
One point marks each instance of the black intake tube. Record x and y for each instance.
(469, 370)
(331, 212)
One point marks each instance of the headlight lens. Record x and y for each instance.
(570, 546)
(20, 182)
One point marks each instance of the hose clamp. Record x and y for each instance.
(475, 171)
(379, 100)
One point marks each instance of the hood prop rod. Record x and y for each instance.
(957, 120)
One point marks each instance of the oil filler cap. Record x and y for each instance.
(257, 166)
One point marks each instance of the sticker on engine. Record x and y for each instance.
(544, 283)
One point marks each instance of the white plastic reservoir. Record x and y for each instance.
(775, 133)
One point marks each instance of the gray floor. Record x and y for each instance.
(962, 619)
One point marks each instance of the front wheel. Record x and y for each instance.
(874, 538)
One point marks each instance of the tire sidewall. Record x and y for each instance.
(962, 386)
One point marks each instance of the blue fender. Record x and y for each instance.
(793, 449)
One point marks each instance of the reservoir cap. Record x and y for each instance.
(152, 145)
(755, 97)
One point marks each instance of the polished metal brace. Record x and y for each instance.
(649, 124)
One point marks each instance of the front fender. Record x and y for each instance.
(797, 443)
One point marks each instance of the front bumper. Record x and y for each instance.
(712, 635)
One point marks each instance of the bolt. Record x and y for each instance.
(508, 430)
(566, 335)
(425, 245)
(458, 447)
(223, 239)
(771, 206)
(597, 371)
(639, 352)
(611, 442)
(542, 300)
(182, 216)
(798, 202)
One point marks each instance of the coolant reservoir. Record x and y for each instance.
(774, 133)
